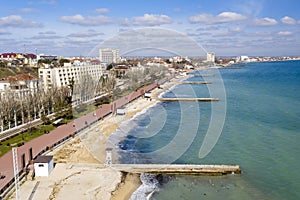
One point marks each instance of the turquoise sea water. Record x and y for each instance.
(261, 134)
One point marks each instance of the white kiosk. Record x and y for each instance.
(43, 165)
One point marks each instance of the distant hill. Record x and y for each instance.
(12, 71)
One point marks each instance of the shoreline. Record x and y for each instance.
(130, 183)
(88, 148)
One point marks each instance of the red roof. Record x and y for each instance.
(8, 55)
(19, 77)
(31, 55)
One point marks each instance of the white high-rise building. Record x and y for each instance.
(210, 57)
(61, 76)
(109, 55)
(84, 77)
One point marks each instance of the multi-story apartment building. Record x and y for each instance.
(84, 79)
(109, 55)
(210, 57)
(62, 76)
(21, 85)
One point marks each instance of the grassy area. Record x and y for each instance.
(5, 73)
(12, 71)
(6, 145)
(79, 111)
(83, 110)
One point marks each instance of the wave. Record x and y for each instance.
(123, 131)
(149, 186)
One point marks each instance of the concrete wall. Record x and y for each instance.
(43, 169)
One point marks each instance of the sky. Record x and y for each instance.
(75, 28)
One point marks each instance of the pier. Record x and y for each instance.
(195, 83)
(201, 75)
(212, 170)
(188, 99)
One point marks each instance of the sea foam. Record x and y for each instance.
(148, 187)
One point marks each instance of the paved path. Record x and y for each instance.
(37, 146)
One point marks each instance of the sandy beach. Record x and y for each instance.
(75, 176)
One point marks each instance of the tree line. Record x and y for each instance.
(25, 106)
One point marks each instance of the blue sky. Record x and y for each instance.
(73, 28)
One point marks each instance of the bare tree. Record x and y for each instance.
(2, 113)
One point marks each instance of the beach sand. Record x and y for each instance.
(130, 182)
(75, 176)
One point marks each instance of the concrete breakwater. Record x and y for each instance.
(195, 83)
(188, 99)
(30, 150)
(213, 170)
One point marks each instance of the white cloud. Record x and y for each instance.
(4, 32)
(260, 33)
(235, 29)
(125, 22)
(284, 33)
(89, 33)
(250, 7)
(86, 21)
(50, 3)
(18, 22)
(288, 20)
(151, 20)
(223, 17)
(102, 10)
(28, 10)
(264, 21)
(47, 35)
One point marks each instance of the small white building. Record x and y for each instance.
(121, 111)
(43, 165)
(147, 95)
(244, 58)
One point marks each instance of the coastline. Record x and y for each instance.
(133, 182)
(129, 184)
(88, 148)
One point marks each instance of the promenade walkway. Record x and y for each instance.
(30, 150)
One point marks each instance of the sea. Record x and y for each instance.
(255, 124)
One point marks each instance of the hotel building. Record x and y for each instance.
(210, 57)
(109, 55)
(62, 76)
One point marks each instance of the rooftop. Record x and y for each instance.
(19, 77)
(43, 159)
